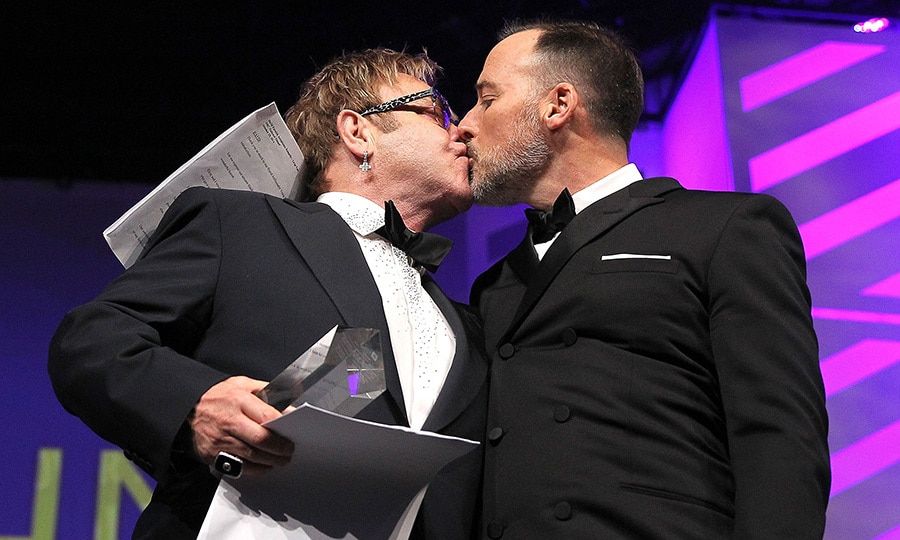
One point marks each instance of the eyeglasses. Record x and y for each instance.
(442, 112)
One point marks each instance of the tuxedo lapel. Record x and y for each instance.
(523, 259)
(590, 223)
(332, 253)
(466, 371)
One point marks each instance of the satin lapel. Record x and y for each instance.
(523, 259)
(466, 372)
(332, 253)
(587, 225)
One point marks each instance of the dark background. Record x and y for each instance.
(127, 92)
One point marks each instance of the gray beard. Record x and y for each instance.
(507, 174)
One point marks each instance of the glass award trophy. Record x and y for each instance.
(342, 373)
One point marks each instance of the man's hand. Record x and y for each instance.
(229, 418)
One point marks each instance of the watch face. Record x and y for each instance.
(228, 465)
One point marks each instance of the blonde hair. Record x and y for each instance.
(348, 82)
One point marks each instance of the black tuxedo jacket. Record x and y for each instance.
(675, 397)
(243, 283)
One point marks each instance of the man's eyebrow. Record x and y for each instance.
(485, 85)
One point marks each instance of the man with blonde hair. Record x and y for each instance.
(234, 285)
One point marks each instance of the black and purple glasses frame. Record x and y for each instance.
(444, 114)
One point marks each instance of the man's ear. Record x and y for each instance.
(355, 133)
(560, 106)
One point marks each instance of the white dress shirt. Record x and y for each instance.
(609, 184)
(422, 340)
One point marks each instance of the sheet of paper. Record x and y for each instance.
(256, 154)
(348, 478)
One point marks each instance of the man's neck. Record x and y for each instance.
(577, 163)
(572, 175)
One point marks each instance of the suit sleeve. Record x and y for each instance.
(766, 356)
(122, 361)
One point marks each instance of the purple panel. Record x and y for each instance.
(852, 220)
(54, 258)
(855, 316)
(889, 287)
(491, 233)
(825, 143)
(801, 70)
(854, 364)
(865, 458)
(453, 275)
(893, 534)
(695, 144)
(819, 132)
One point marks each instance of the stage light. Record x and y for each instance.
(872, 25)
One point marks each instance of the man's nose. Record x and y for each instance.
(467, 128)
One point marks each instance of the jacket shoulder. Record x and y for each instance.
(726, 204)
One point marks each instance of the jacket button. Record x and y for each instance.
(507, 350)
(562, 511)
(494, 530)
(569, 337)
(495, 434)
(561, 413)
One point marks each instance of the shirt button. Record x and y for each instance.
(507, 350)
(494, 530)
(569, 337)
(495, 434)
(562, 511)
(561, 413)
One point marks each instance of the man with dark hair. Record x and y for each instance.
(654, 367)
(234, 286)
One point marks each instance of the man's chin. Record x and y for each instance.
(486, 193)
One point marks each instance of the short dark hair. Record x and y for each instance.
(600, 64)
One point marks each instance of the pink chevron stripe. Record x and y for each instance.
(893, 534)
(851, 220)
(824, 143)
(801, 70)
(888, 287)
(858, 362)
(865, 458)
(831, 314)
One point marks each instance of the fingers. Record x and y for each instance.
(248, 454)
(227, 418)
(256, 443)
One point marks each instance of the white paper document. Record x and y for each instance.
(256, 154)
(348, 478)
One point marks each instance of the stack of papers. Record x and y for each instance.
(256, 154)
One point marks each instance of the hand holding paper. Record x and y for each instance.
(347, 478)
(229, 417)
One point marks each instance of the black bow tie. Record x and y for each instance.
(425, 249)
(544, 225)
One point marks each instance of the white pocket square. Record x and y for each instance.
(618, 256)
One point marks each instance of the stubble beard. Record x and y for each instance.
(506, 174)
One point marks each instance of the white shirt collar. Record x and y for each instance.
(361, 214)
(609, 184)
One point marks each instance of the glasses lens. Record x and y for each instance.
(442, 109)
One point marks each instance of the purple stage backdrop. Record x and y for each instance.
(807, 112)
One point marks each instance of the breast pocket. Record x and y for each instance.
(634, 264)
